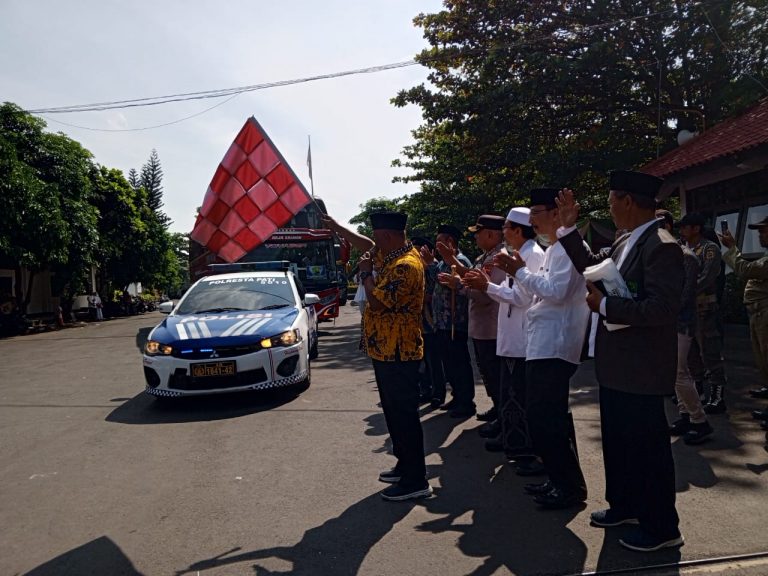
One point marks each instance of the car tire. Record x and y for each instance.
(314, 352)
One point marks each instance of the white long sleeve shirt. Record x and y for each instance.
(557, 320)
(514, 301)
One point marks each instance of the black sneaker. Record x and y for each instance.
(641, 541)
(760, 414)
(436, 402)
(716, 406)
(760, 393)
(488, 416)
(681, 426)
(398, 493)
(449, 405)
(536, 489)
(490, 429)
(390, 476)
(608, 518)
(697, 433)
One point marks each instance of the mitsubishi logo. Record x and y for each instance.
(214, 354)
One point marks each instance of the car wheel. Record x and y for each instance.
(313, 352)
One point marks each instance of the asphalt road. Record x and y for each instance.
(98, 478)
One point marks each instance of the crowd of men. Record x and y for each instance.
(532, 317)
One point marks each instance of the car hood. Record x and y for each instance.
(234, 327)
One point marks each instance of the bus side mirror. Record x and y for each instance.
(311, 299)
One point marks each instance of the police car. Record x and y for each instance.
(253, 328)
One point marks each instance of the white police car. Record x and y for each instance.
(248, 330)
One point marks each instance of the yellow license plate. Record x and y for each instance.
(213, 369)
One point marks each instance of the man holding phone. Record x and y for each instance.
(755, 301)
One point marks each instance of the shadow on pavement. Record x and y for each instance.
(338, 546)
(99, 556)
(338, 348)
(146, 409)
(141, 337)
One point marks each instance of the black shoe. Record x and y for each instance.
(640, 541)
(697, 433)
(532, 468)
(760, 393)
(764, 424)
(462, 411)
(537, 489)
(490, 429)
(449, 405)
(390, 476)
(681, 426)
(488, 416)
(608, 518)
(760, 414)
(436, 402)
(494, 444)
(398, 493)
(557, 499)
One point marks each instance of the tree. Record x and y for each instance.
(525, 94)
(46, 216)
(152, 181)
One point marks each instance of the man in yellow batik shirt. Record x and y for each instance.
(392, 338)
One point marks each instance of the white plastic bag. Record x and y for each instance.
(608, 275)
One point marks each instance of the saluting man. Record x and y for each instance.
(635, 365)
(392, 338)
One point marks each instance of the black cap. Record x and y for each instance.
(388, 220)
(544, 196)
(489, 221)
(756, 226)
(420, 241)
(692, 219)
(635, 183)
(452, 231)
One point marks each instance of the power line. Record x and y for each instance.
(235, 91)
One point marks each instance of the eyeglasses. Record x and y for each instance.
(540, 211)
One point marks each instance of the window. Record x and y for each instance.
(751, 244)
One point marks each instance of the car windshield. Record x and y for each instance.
(216, 295)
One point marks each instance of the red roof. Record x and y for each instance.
(730, 136)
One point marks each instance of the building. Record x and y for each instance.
(723, 174)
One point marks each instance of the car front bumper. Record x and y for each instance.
(169, 376)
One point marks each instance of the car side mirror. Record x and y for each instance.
(311, 299)
(166, 307)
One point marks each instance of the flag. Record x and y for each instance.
(253, 193)
(309, 157)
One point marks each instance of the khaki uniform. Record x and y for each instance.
(756, 303)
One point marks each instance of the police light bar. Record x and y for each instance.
(270, 265)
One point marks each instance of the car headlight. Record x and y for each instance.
(155, 348)
(288, 338)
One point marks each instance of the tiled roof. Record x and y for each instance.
(728, 137)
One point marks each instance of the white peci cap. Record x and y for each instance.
(520, 215)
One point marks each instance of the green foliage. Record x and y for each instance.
(525, 94)
(60, 211)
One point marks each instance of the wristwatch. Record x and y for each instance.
(364, 275)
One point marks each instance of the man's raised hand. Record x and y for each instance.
(567, 208)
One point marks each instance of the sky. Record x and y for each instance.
(56, 53)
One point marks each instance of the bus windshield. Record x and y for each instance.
(312, 261)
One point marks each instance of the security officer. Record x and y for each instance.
(755, 301)
(706, 355)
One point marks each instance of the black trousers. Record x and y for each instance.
(639, 469)
(512, 398)
(547, 387)
(433, 366)
(490, 368)
(457, 368)
(398, 384)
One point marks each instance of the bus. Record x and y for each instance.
(317, 257)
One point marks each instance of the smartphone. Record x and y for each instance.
(724, 226)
